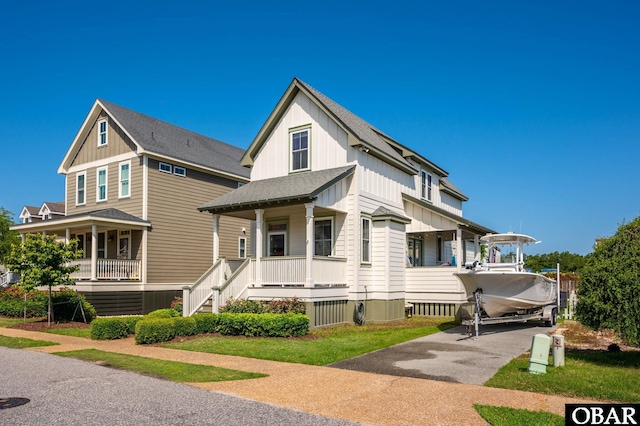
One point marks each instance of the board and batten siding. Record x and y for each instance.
(180, 243)
(131, 204)
(328, 146)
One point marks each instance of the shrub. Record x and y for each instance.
(109, 328)
(206, 323)
(177, 304)
(13, 302)
(231, 324)
(276, 306)
(243, 306)
(154, 330)
(264, 325)
(185, 326)
(65, 305)
(286, 306)
(131, 322)
(163, 313)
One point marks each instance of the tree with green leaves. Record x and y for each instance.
(569, 262)
(609, 293)
(43, 261)
(7, 237)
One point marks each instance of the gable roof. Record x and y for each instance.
(161, 139)
(359, 131)
(30, 211)
(296, 188)
(55, 207)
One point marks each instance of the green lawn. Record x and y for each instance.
(320, 347)
(606, 376)
(8, 322)
(505, 416)
(75, 332)
(169, 370)
(22, 343)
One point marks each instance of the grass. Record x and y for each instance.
(22, 343)
(505, 416)
(74, 332)
(320, 347)
(605, 376)
(8, 322)
(169, 370)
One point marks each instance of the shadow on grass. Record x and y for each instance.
(629, 359)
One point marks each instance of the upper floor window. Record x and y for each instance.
(102, 132)
(124, 190)
(323, 237)
(101, 190)
(425, 184)
(81, 188)
(164, 167)
(300, 150)
(366, 240)
(179, 171)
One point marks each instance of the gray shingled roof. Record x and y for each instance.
(164, 139)
(364, 131)
(446, 183)
(294, 188)
(383, 212)
(56, 207)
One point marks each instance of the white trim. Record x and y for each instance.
(362, 252)
(84, 188)
(184, 171)
(240, 249)
(103, 162)
(320, 219)
(145, 189)
(106, 184)
(104, 121)
(170, 166)
(426, 185)
(307, 130)
(120, 181)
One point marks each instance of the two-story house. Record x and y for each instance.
(132, 187)
(347, 218)
(46, 211)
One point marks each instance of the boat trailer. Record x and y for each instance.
(547, 313)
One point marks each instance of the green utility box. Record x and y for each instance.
(539, 358)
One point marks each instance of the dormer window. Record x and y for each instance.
(102, 132)
(299, 150)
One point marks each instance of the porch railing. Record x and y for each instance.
(109, 269)
(197, 295)
(292, 270)
(236, 286)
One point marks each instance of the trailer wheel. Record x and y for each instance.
(553, 320)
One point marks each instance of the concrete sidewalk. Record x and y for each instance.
(355, 396)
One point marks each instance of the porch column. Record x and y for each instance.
(309, 246)
(459, 259)
(23, 237)
(259, 246)
(67, 235)
(476, 247)
(216, 237)
(94, 252)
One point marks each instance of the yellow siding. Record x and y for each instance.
(180, 243)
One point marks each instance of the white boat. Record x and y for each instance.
(506, 287)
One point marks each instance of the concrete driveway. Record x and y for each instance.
(451, 355)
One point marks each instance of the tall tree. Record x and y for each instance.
(609, 293)
(7, 237)
(43, 261)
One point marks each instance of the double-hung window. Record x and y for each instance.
(425, 184)
(323, 237)
(366, 240)
(101, 189)
(81, 188)
(102, 132)
(242, 247)
(124, 189)
(299, 150)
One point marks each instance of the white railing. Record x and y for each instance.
(109, 269)
(329, 271)
(236, 286)
(195, 296)
(283, 270)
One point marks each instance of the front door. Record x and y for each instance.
(277, 242)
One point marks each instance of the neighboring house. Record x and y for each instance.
(347, 218)
(29, 214)
(132, 187)
(47, 211)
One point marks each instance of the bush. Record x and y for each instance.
(206, 323)
(185, 326)
(154, 330)
(177, 304)
(109, 328)
(243, 306)
(276, 306)
(163, 313)
(65, 305)
(12, 302)
(263, 325)
(131, 322)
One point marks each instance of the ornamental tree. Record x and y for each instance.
(43, 261)
(609, 292)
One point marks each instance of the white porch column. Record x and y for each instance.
(459, 259)
(259, 245)
(309, 250)
(216, 237)
(94, 252)
(67, 235)
(476, 247)
(23, 237)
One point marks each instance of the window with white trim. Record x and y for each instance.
(124, 189)
(165, 167)
(179, 171)
(365, 249)
(425, 184)
(323, 237)
(242, 247)
(81, 188)
(300, 150)
(101, 184)
(102, 132)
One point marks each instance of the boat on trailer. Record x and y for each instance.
(500, 289)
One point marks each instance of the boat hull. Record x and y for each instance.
(505, 292)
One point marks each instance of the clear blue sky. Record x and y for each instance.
(532, 107)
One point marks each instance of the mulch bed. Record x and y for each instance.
(44, 325)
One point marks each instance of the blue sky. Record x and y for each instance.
(532, 107)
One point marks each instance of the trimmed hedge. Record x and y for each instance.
(206, 323)
(163, 313)
(109, 328)
(185, 326)
(263, 325)
(154, 330)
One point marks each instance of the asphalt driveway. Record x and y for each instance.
(451, 355)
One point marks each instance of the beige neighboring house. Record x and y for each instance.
(348, 219)
(133, 184)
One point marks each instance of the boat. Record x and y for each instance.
(502, 287)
